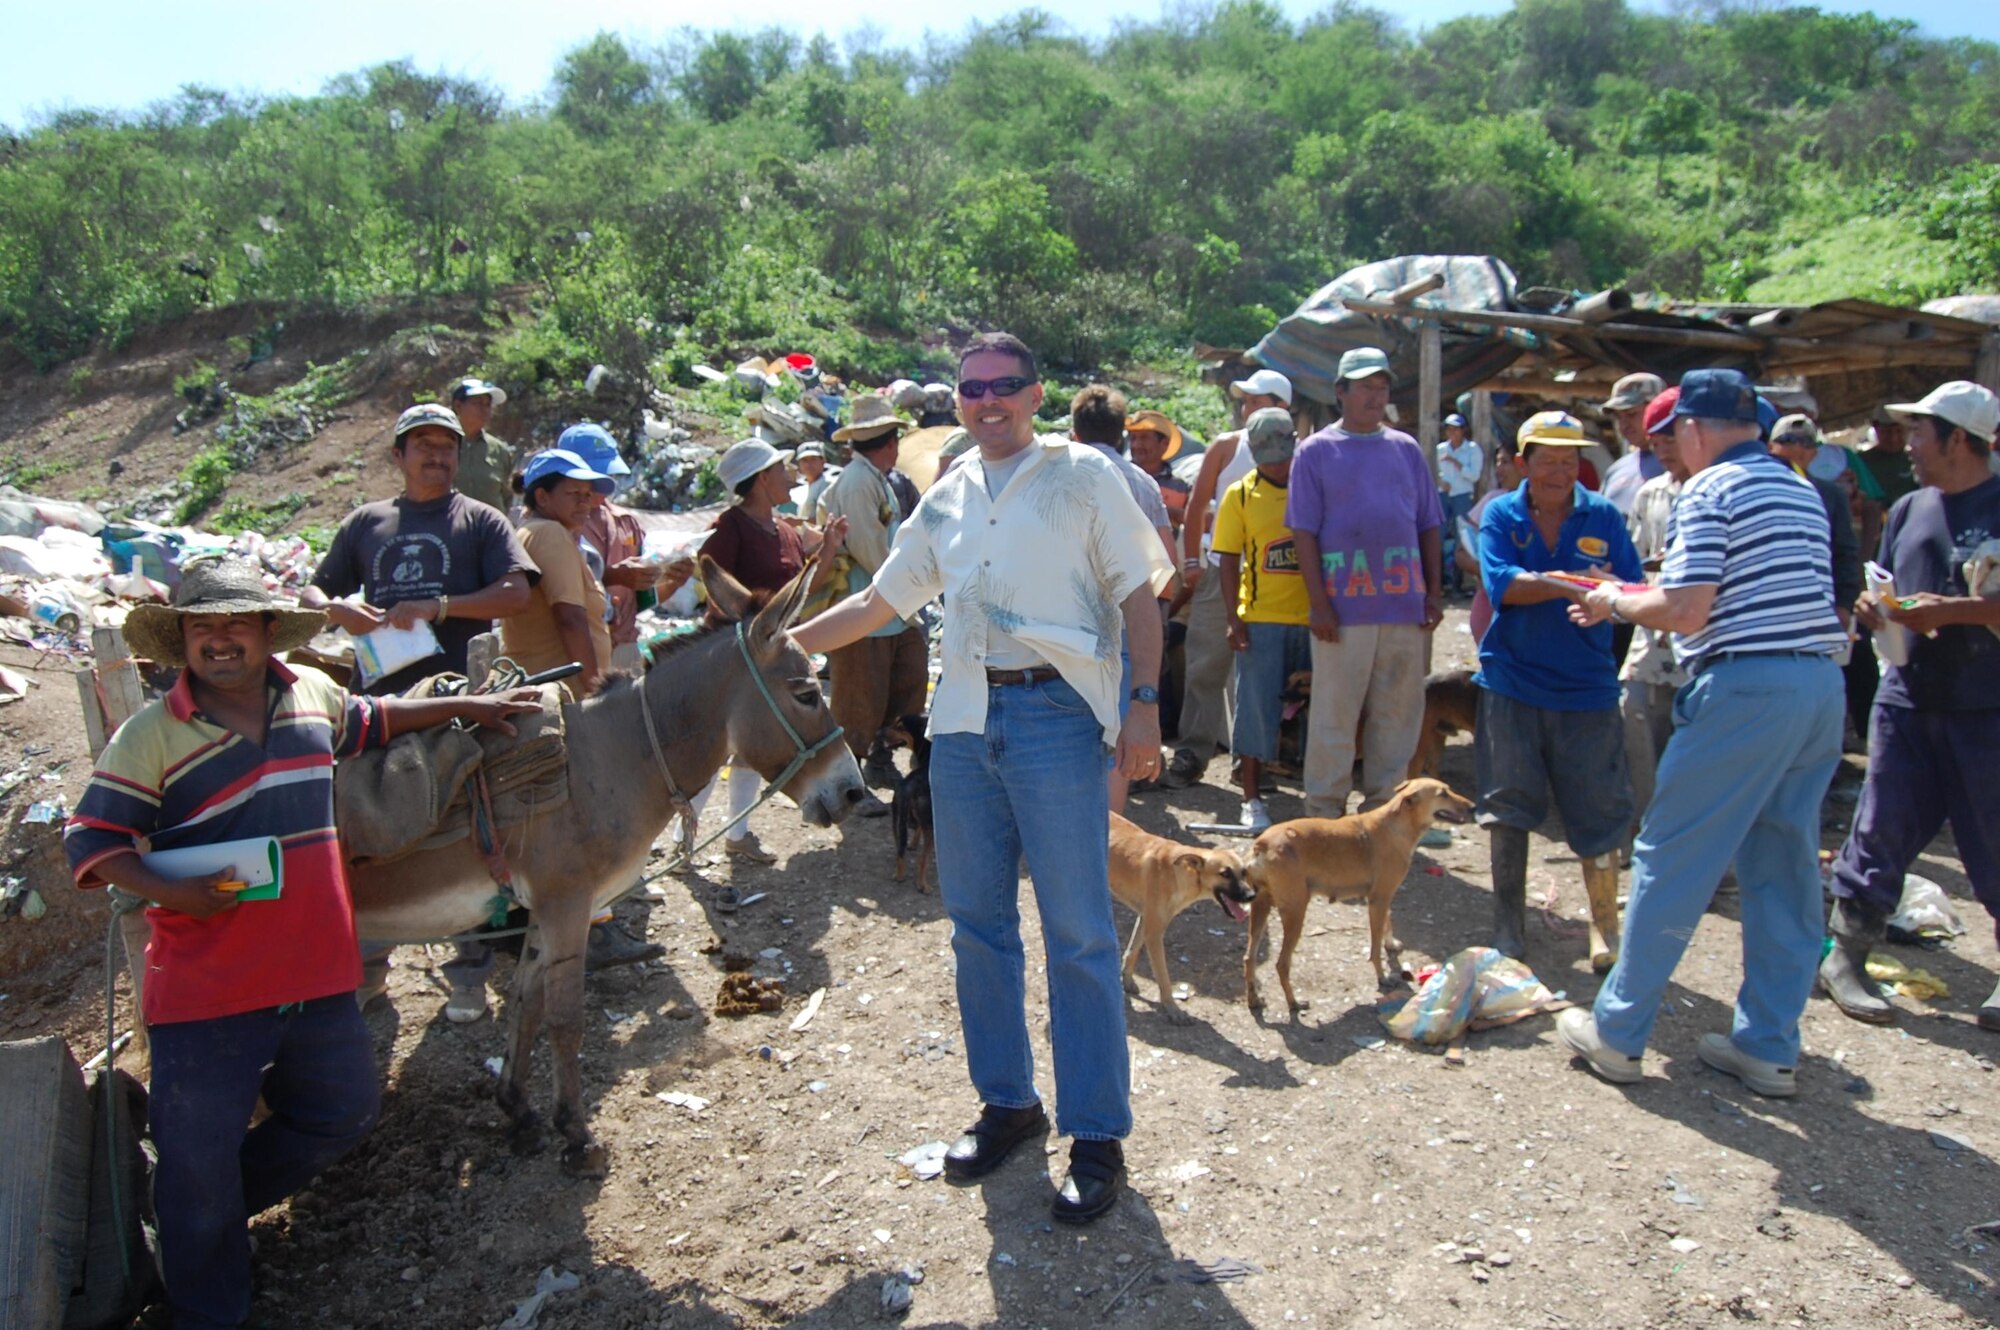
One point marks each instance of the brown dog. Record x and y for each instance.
(1366, 855)
(1159, 878)
(1451, 706)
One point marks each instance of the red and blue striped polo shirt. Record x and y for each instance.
(173, 777)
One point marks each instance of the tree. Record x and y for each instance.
(599, 84)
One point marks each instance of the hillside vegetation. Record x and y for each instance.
(1189, 178)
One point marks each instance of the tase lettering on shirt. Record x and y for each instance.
(1398, 578)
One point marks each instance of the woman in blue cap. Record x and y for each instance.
(565, 619)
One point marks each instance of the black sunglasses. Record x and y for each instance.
(974, 389)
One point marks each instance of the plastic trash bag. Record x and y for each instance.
(1925, 911)
(1476, 987)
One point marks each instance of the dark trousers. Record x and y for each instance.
(315, 1066)
(1862, 675)
(1924, 767)
(876, 682)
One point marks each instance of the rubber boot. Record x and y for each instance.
(1509, 849)
(1600, 883)
(1843, 975)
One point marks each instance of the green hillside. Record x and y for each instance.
(1183, 179)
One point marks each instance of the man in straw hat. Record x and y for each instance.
(1936, 723)
(883, 676)
(1549, 720)
(1747, 591)
(242, 997)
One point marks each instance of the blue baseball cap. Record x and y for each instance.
(1767, 419)
(594, 444)
(1718, 394)
(561, 462)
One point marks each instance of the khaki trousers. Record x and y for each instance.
(1648, 710)
(875, 681)
(1208, 692)
(1367, 694)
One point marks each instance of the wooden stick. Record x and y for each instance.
(1552, 323)
(1403, 295)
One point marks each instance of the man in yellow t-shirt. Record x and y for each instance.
(1264, 599)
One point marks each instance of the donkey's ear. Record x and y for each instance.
(783, 609)
(729, 597)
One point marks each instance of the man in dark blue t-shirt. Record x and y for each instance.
(1936, 722)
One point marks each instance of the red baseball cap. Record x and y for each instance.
(1660, 411)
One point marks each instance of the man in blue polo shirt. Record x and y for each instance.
(1548, 705)
(1747, 590)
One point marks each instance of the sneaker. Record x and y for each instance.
(466, 1004)
(747, 850)
(1256, 817)
(1766, 1078)
(1184, 770)
(1578, 1029)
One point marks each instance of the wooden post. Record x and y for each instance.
(109, 690)
(1482, 430)
(1430, 372)
(1988, 372)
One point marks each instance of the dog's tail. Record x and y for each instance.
(901, 816)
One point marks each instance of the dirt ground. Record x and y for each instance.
(1368, 1183)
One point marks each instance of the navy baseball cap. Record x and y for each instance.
(1717, 394)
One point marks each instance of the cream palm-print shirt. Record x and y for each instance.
(1048, 561)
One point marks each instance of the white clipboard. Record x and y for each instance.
(258, 862)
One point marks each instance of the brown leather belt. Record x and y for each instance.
(1039, 674)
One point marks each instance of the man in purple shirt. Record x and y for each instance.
(1364, 510)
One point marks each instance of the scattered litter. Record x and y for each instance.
(1003, 1258)
(1950, 1141)
(770, 953)
(693, 1103)
(925, 1161)
(1902, 979)
(805, 1018)
(528, 1311)
(1188, 1172)
(1685, 1246)
(816, 1087)
(1682, 1196)
(46, 811)
(754, 898)
(1371, 1042)
(1183, 992)
(13, 687)
(494, 1066)
(742, 995)
(1221, 1270)
(1435, 838)
(896, 1295)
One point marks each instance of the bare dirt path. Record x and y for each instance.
(1361, 1178)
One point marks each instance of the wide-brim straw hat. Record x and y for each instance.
(1156, 422)
(869, 418)
(218, 585)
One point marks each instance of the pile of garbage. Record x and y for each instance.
(68, 568)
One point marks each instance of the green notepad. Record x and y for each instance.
(259, 861)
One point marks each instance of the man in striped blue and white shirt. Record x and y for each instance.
(1747, 589)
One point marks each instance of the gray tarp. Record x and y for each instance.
(1306, 346)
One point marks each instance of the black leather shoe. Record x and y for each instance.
(1096, 1178)
(988, 1142)
(612, 946)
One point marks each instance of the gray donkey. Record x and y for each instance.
(636, 749)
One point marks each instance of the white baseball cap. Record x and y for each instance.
(1264, 383)
(746, 459)
(1967, 405)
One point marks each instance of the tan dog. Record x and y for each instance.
(1366, 855)
(1159, 878)
(1451, 706)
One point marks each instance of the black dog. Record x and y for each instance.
(911, 807)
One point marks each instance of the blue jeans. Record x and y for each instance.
(1033, 784)
(1455, 507)
(314, 1063)
(1756, 741)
